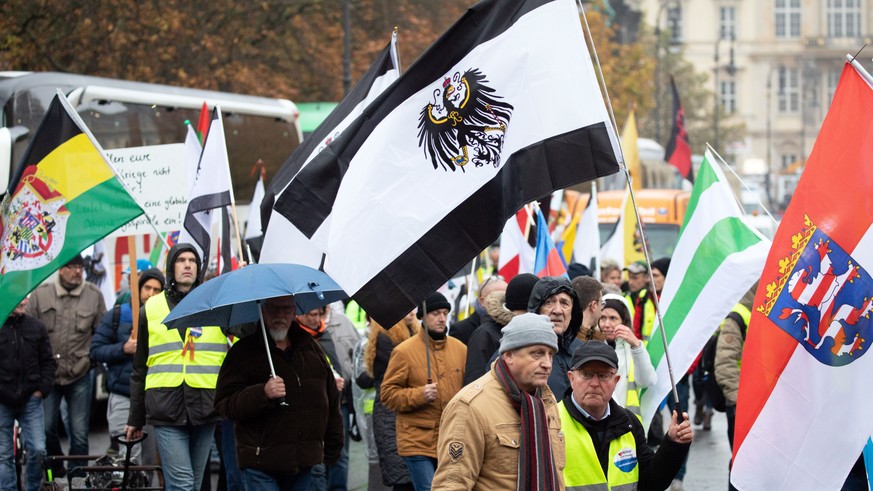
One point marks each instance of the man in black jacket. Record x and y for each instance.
(27, 373)
(605, 443)
(277, 445)
(464, 329)
(113, 346)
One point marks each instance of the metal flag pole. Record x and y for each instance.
(740, 179)
(267, 347)
(643, 237)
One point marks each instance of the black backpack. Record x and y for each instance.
(707, 365)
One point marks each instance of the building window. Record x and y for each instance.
(787, 18)
(674, 23)
(788, 159)
(728, 95)
(844, 18)
(789, 90)
(727, 22)
(833, 80)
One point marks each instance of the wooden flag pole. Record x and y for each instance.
(133, 279)
(236, 228)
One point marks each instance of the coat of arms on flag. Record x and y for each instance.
(822, 298)
(37, 219)
(465, 122)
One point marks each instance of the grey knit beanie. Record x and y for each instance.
(526, 330)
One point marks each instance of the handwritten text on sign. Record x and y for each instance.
(157, 178)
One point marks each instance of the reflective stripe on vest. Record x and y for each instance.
(170, 363)
(583, 471)
(632, 400)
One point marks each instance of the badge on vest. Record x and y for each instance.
(625, 459)
(196, 332)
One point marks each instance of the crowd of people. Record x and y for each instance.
(539, 388)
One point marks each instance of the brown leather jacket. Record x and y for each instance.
(418, 422)
(479, 442)
(70, 317)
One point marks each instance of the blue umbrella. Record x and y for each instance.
(233, 298)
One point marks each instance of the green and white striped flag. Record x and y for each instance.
(718, 257)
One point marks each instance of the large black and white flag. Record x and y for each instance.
(211, 189)
(282, 242)
(502, 110)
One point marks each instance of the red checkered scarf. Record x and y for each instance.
(536, 466)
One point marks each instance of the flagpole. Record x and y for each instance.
(643, 238)
(861, 71)
(82, 126)
(133, 279)
(655, 300)
(746, 186)
(232, 198)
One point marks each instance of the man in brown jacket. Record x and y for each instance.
(503, 430)
(424, 373)
(71, 309)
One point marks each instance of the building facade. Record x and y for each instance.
(774, 65)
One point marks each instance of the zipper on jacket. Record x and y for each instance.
(258, 451)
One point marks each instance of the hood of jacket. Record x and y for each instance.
(177, 249)
(549, 287)
(494, 306)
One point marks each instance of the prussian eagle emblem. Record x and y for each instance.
(466, 122)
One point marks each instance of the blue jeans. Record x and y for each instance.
(334, 477)
(421, 469)
(184, 452)
(30, 420)
(78, 397)
(233, 481)
(255, 480)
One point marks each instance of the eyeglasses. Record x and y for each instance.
(602, 376)
(490, 279)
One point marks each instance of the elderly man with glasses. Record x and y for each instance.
(278, 444)
(606, 443)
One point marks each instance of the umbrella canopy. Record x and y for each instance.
(232, 298)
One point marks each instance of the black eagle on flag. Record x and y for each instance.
(465, 122)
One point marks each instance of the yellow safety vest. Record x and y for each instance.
(632, 401)
(583, 471)
(746, 315)
(648, 315)
(172, 361)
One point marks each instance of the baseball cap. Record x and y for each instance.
(594, 351)
(637, 267)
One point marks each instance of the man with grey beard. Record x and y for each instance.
(278, 444)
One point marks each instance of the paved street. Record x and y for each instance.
(706, 471)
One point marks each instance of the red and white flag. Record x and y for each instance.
(516, 250)
(803, 413)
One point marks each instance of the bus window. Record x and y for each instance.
(123, 114)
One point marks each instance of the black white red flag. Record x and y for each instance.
(502, 110)
(678, 152)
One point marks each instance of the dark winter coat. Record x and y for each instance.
(462, 330)
(567, 342)
(168, 406)
(271, 437)
(657, 469)
(486, 338)
(108, 347)
(26, 361)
